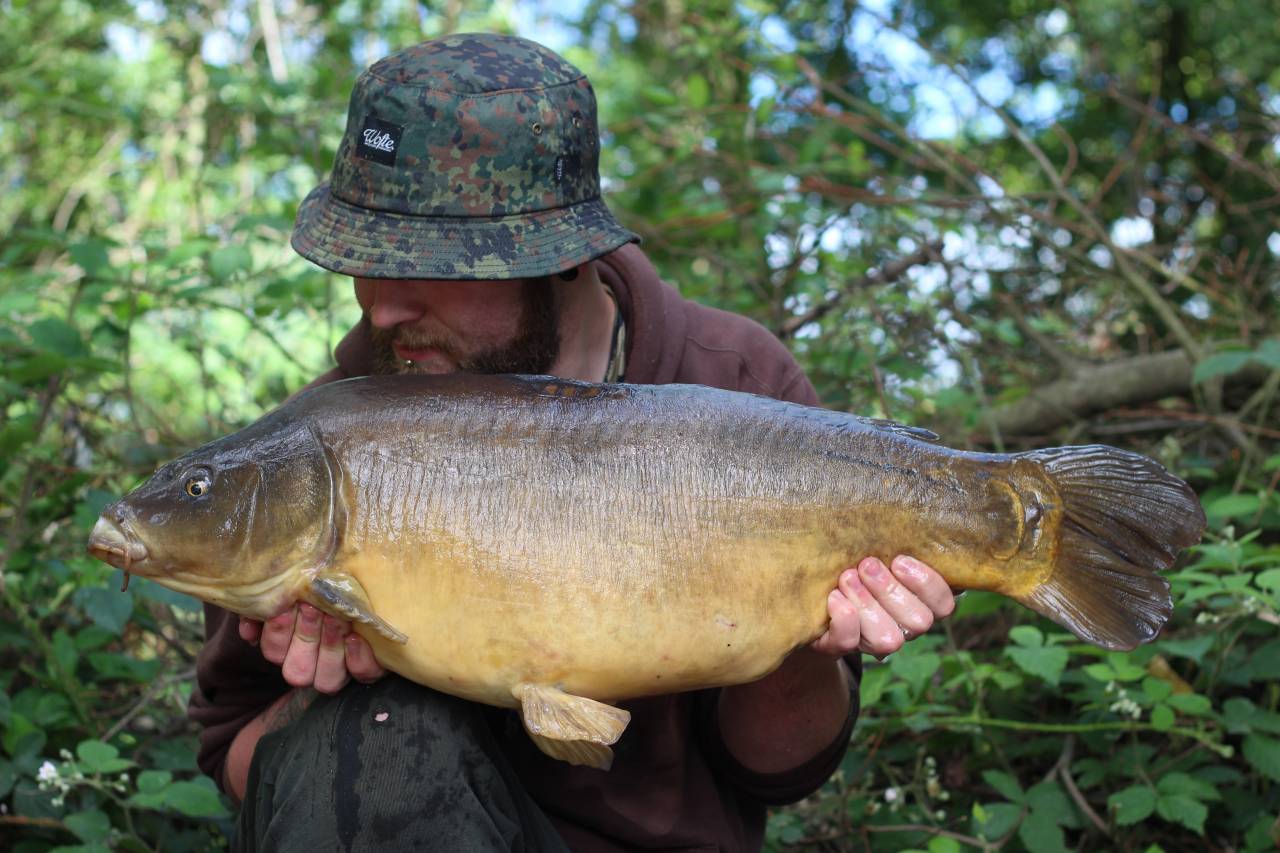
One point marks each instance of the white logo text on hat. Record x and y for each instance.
(378, 141)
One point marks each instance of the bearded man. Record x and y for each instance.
(465, 203)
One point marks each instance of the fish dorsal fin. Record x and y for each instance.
(571, 728)
(896, 428)
(342, 596)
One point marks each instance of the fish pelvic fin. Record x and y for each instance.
(341, 595)
(571, 728)
(1124, 519)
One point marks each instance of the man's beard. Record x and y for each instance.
(533, 350)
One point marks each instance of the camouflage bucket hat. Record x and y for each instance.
(466, 157)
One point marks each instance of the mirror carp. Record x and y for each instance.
(556, 546)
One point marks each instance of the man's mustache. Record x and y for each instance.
(414, 339)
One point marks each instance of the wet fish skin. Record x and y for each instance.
(515, 539)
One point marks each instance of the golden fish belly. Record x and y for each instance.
(477, 630)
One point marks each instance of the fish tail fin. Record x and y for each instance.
(1124, 519)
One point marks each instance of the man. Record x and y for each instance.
(465, 203)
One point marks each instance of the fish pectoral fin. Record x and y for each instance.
(571, 728)
(341, 595)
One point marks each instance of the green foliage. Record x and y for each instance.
(1100, 189)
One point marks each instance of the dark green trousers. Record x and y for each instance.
(388, 767)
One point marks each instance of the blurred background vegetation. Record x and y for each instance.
(1019, 223)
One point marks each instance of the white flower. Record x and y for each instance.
(1127, 706)
(890, 795)
(47, 773)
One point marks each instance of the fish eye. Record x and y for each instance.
(197, 486)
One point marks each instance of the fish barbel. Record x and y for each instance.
(555, 546)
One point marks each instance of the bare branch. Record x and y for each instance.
(1128, 382)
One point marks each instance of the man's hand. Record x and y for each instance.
(876, 609)
(313, 649)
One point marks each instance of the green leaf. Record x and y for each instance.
(37, 367)
(1182, 784)
(1156, 688)
(996, 819)
(16, 435)
(1124, 667)
(1039, 832)
(153, 781)
(1268, 580)
(1232, 506)
(90, 256)
(1220, 364)
(98, 757)
(1006, 784)
(186, 251)
(1191, 703)
(55, 335)
(915, 669)
(109, 609)
(65, 653)
(697, 91)
(226, 261)
(1047, 662)
(1026, 635)
(942, 844)
(1268, 353)
(1264, 754)
(195, 799)
(1241, 716)
(872, 685)
(89, 826)
(1132, 804)
(1184, 810)
(1190, 647)
(110, 665)
(1048, 799)
(1162, 718)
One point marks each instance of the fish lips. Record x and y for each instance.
(113, 543)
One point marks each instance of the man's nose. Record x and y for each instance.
(393, 304)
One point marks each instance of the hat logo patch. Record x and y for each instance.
(381, 141)
(378, 141)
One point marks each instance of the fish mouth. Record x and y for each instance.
(115, 544)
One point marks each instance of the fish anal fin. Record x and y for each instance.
(581, 752)
(341, 595)
(571, 728)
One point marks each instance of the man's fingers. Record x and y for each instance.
(903, 606)
(277, 633)
(331, 668)
(842, 634)
(299, 667)
(250, 630)
(926, 584)
(880, 633)
(360, 661)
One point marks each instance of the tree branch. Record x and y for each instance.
(1127, 382)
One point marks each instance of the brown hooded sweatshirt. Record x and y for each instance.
(673, 785)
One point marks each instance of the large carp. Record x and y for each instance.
(556, 545)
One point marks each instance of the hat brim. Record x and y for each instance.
(358, 241)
